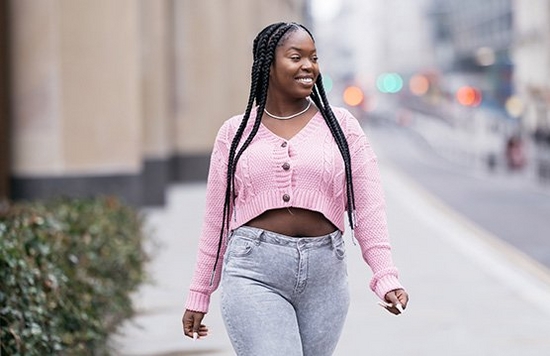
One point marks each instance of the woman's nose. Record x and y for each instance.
(307, 64)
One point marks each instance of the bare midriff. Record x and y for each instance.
(293, 222)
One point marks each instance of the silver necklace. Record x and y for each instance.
(290, 116)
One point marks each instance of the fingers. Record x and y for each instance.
(202, 331)
(394, 309)
(199, 330)
(192, 326)
(394, 306)
(196, 325)
(403, 297)
(397, 301)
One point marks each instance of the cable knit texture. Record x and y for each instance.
(306, 171)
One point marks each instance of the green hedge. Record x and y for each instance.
(67, 269)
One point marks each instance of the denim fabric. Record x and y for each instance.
(284, 295)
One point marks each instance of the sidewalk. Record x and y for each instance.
(470, 293)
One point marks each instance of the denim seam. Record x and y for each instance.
(236, 344)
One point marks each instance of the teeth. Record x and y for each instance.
(305, 80)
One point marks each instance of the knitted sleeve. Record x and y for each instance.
(200, 290)
(371, 231)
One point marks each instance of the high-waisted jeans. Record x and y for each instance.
(284, 295)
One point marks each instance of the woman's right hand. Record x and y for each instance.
(191, 321)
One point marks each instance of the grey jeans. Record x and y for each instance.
(284, 295)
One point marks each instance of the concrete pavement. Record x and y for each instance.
(471, 294)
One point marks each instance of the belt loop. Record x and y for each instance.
(334, 238)
(259, 236)
(255, 234)
(229, 236)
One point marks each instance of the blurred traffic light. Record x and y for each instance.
(468, 96)
(419, 84)
(353, 95)
(515, 106)
(327, 83)
(389, 83)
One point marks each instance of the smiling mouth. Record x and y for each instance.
(308, 81)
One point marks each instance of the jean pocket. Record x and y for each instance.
(240, 247)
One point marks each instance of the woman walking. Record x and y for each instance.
(283, 176)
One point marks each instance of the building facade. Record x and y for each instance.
(531, 53)
(121, 97)
(473, 40)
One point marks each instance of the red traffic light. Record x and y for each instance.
(468, 96)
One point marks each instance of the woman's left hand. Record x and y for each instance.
(397, 301)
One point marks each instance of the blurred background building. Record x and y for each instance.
(121, 97)
(531, 58)
(450, 43)
(478, 39)
(481, 67)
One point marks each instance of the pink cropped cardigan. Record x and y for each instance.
(306, 171)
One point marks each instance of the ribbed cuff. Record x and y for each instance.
(197, 302)
(385, 285)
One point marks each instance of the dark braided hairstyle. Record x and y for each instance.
(264, 46)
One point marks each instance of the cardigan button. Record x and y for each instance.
(286, 166)
(286, 198)
(283, 144)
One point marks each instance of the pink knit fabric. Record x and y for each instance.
(314, 179)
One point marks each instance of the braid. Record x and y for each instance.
(263, 49)
(320, 99)
(261, 99)
(259, 83)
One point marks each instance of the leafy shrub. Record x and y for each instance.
(67, 269)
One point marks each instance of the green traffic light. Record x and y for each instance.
(327, 83)
(389, 83)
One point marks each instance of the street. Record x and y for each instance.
(511, 207)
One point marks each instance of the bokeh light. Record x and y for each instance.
(468, 96)
(353, 95)
(419, 85)
(328, 83)
(389, 83)
(514, 106)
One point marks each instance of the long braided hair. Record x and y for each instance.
(264, 46)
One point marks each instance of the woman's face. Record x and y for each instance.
(295, 68)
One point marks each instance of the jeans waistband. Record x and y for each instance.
(262, 235)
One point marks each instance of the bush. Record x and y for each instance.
(67, 269)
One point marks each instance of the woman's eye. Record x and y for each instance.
(295, 58)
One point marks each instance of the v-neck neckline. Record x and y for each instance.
(309, 127)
